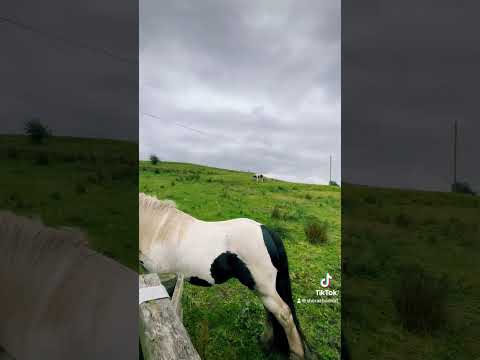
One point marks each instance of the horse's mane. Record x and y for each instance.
(48, 276)
(22, 233)
(153, 203)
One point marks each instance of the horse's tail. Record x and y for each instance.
(278, 255)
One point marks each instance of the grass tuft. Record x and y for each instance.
(420, 300)
(316, 231)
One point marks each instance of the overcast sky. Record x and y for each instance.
(72, 65)
(248, 85)
(410, 69)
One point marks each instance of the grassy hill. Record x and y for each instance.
(81, 183)
(225, 321)
(411, 277)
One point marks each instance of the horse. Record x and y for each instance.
(258, 177)
(210, 253)
(60, 299)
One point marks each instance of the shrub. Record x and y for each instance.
(41, 159)
(370, 199)
(276, 213)
(316, 231)
(92, 179)
(12, 153)
(157, 171)
(403, 220)
(36, 131)
(420, 300)
(462, 188)
(68, 158)
(308, 197)
(56, 195)
(154, 159)
(80, 189)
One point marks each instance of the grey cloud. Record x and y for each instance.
(261, 79)
(409, 71)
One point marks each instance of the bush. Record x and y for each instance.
(56, 195)
(420, 300)
(12, 153)
(308, 197)
(154, 159)
(462, 188)
(403, 220)
(316, 231)
(276, 213)
(80, 189)
(41, 159)
(36, 131)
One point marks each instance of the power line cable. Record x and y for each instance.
(72, 43)
(179, 124)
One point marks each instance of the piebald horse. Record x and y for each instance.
(210, 253)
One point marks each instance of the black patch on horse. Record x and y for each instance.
(199, 282)
(278, 255)
(228, 265)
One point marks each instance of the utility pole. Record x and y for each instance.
(330, 182)
(455, 130)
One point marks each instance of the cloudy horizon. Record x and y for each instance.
(242, 85)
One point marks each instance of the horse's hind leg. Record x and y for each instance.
(274, 303)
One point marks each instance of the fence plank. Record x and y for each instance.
(162, 334)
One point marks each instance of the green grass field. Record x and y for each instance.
(81, 183)
(225, 321)
(388, 231)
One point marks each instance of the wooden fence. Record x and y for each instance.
(162, 334)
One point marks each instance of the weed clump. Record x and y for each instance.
(12, 153)
(316, 231)
(403, 220)
(41, 159)
(80, 188)
(276, 213)
(420, 300)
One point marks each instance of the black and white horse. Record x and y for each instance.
(259, 177)
(210, 253)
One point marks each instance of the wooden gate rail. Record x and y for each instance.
(162, 334)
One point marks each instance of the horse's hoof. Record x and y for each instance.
(294, 356)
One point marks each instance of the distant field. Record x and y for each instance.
(393, 230)
(225, 321)
(81, 183)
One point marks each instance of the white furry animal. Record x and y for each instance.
(209, 253)
(60, 300)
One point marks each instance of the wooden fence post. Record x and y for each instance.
(162, 334)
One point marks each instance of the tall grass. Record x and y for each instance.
(420, 300)
(316, 231)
